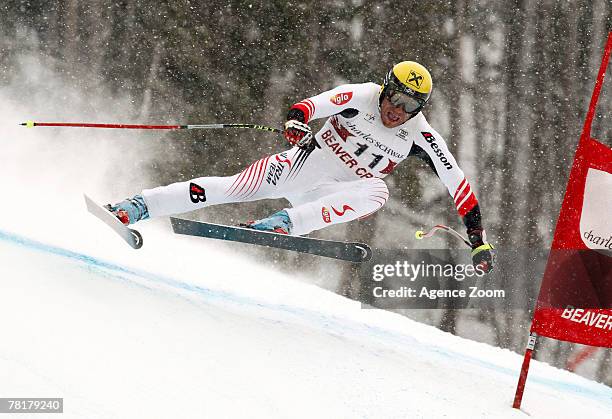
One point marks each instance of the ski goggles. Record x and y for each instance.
(409, 104)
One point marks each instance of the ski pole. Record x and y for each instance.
(32, 124)
(420, 234)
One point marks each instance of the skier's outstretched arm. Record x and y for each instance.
(431, 147)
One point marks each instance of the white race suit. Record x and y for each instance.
(339, 180)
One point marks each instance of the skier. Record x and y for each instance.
(337, 174)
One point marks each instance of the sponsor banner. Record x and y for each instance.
(575, 301)
(595, 230)
(593, 161)
(585, 326)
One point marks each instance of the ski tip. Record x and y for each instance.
(419, 234)
(29, 124)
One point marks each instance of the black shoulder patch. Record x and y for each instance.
(349, 113)
(417, 151)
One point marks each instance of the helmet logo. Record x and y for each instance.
(415, 79)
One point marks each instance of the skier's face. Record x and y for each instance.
(392, 116)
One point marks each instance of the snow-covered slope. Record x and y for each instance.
(185, 330)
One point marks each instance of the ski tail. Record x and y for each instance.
(131, 236)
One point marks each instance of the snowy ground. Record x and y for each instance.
(188, 331)
(184, 328)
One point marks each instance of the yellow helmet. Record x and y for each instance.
(409, 78)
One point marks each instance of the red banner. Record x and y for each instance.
(575, 301)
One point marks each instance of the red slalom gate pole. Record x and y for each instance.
(586, 353)
(520, 387)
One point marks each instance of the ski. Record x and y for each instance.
(131, 236)
(349, 251)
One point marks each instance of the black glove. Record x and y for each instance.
(298, 133)
(483, 253)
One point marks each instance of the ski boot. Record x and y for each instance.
(130, 210)
(276, 223)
